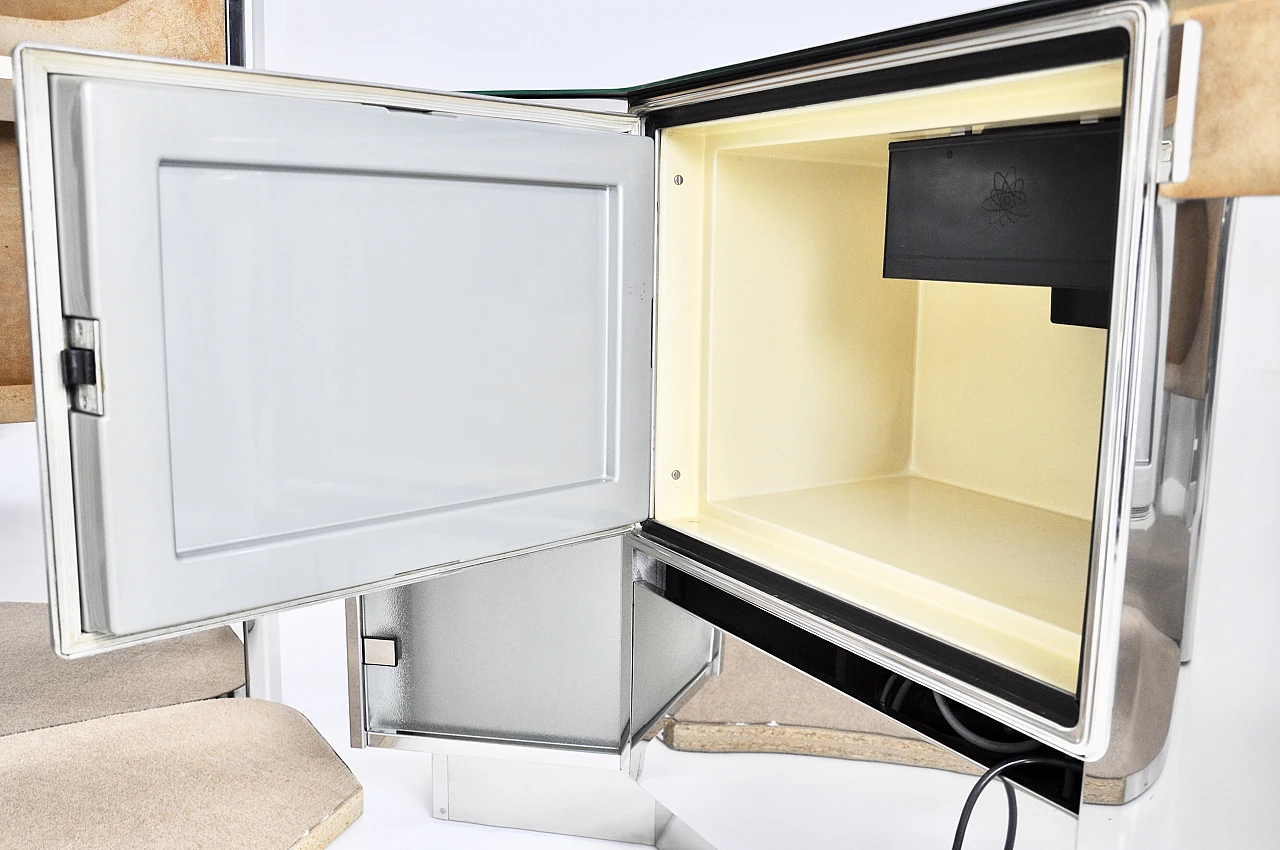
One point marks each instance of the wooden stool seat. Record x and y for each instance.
(38, 689)
(224, 774)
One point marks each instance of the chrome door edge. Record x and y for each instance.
(244, 32)
(1043, 29)
(1024, 721)
(45, 59)
(92, 644)
(355, 671)
(636, 736)
(660, 553)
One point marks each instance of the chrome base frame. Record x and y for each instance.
(554, 798)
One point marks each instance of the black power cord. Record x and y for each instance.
(1015, 748)
(980, 741)
(948, 714)
(903, 684)
(884, 691)
(990, 776)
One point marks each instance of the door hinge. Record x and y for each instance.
(82, 366)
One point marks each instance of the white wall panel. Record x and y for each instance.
(560, 44)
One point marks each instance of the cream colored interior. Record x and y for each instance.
(924, 449)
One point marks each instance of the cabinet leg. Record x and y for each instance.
(262, 658)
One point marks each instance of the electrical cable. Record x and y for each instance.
(1008, 747)
(949, 715)
(1014, 748)
(1011, 832)
(884, 691)
(901, 694)
(1011, 829)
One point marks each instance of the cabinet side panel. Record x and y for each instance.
(528, 649)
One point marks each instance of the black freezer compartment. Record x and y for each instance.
(1034, 205)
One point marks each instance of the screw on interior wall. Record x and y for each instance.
(675, 475)
(679, 179)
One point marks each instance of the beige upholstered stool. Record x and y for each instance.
(128, 750)
(758, 705)
(230, 774)
(38, 689)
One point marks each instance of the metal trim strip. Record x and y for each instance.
(491, 748)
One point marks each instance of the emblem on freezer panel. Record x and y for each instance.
(1008, 199)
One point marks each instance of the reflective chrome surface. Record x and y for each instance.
(760, 755)
(554, 798)
(245, 30)
(523, 653)
(530, 752)
(83, 334)
(1165, 526)
(355, 672)
(515, 680)
(896, 662)
(262, 658)
(1197, 374)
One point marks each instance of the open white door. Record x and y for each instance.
(299, 339)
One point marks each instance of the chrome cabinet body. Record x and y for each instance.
(502, 444)
(492, 655)
(1216, 785)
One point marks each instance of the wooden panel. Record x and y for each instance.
(15, 334)
(177, 29)
(57, 10)
(1234, 151)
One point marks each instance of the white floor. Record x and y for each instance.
(740, 802)
(21, 547)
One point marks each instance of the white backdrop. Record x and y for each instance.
(1218, 787)
(501, 44)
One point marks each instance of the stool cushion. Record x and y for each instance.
(232, 774)
(38, 689)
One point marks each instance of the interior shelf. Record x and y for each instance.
(1014, 555)
(994, 576)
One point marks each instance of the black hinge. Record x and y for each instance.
(79, 366)
(82, 366)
